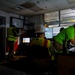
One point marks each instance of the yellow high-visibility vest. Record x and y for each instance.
(42, 42)
(10, 35)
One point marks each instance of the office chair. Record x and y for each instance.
(41, 60)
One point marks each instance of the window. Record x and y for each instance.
(67, 17)
(52, 19)
(56, 30)
(16, 22)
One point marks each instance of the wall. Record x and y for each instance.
(7, 15)
(38, 19)
(4, 30)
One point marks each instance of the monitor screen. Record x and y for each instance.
(48, 33)
(56, 30)
(26, 40)
(17, 22)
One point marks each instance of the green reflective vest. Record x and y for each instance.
(10, 34)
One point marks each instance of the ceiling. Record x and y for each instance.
(35, 7)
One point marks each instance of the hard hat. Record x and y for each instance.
(40, 29)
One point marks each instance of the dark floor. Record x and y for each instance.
(21, 66)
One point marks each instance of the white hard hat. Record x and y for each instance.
(40, 29)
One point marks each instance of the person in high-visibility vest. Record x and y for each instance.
(62, 38)
(41, 40)
(11, 39)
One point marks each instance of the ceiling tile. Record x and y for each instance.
(31, 6)
(71, 1)
(27, 5)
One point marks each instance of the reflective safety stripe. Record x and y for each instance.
(11, 38)
(45, 42)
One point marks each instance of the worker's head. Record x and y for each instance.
(74, 25)
(61, 29)
(40, 31)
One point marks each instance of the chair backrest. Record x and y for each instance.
(39, 55)
(38, 51)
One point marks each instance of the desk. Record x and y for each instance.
(24, 65)
(19, 64)
(18, 57)
(66, 64)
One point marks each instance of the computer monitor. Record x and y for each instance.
(26, 40)
(56, 30)
(48, 33)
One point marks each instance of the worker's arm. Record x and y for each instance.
(72, 41)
